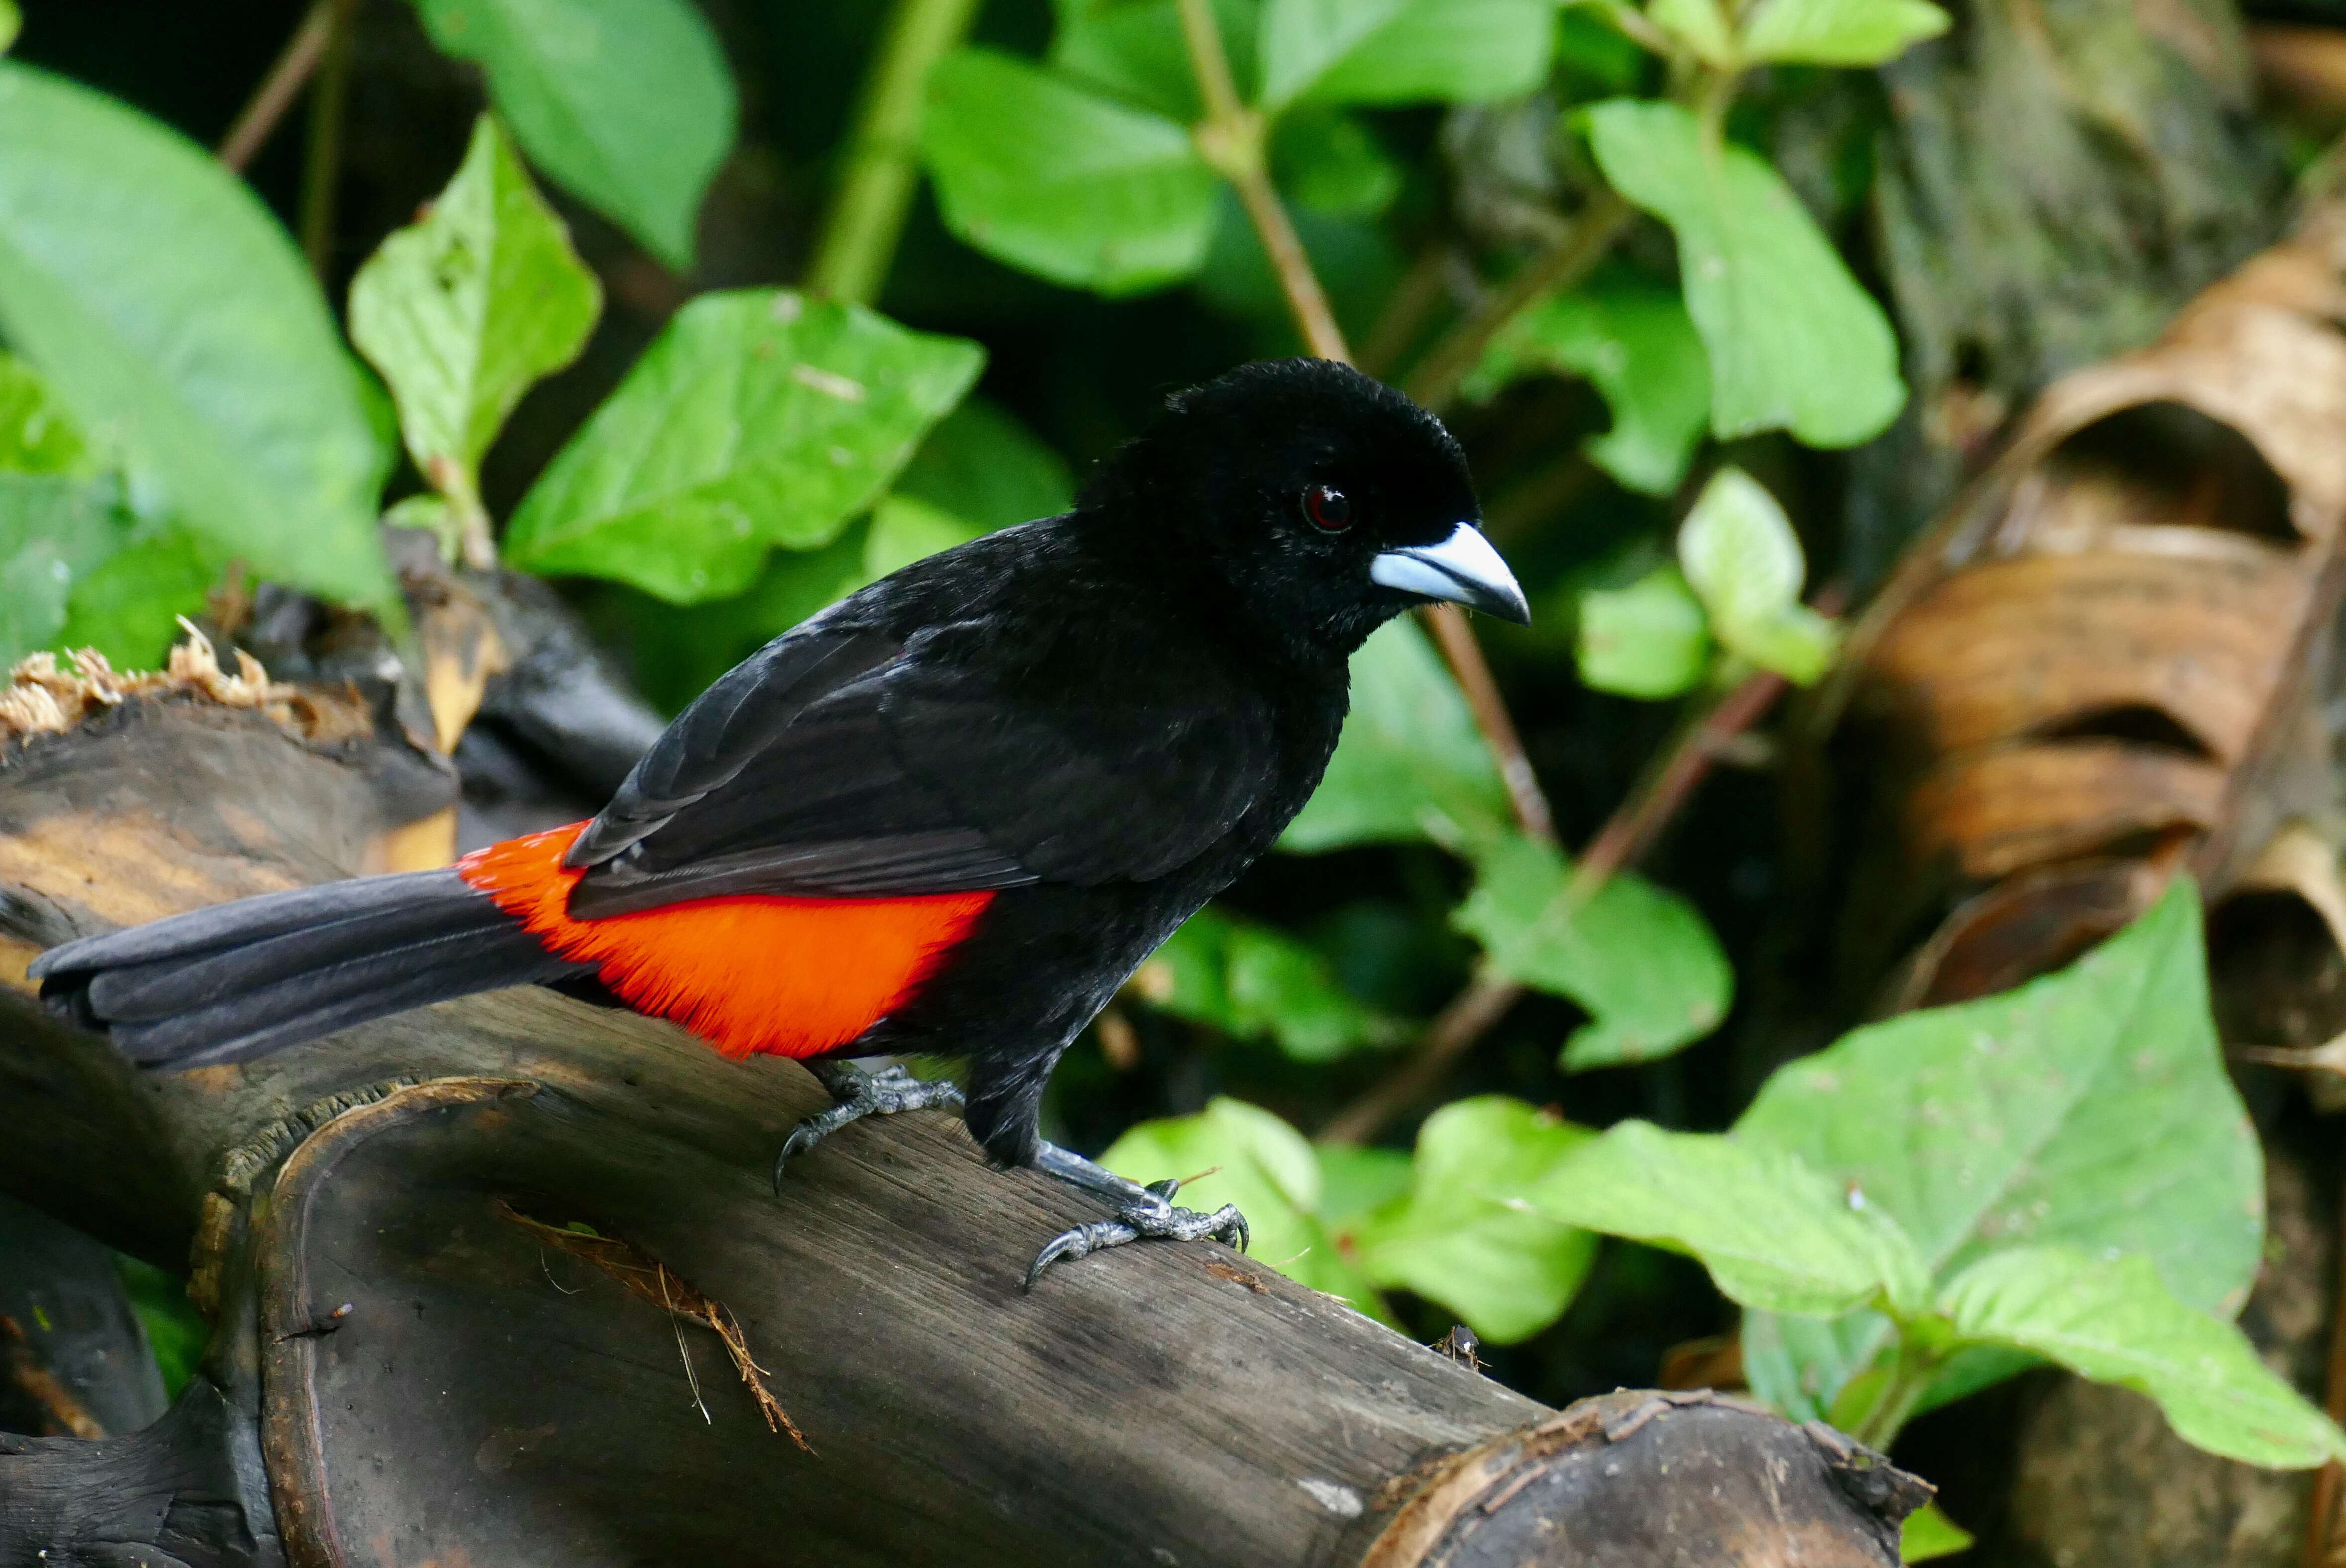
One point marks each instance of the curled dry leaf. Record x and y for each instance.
(2097, 668)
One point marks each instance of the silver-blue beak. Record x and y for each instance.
(1462, 569)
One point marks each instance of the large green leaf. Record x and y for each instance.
(1638, 958)
(1402, 51)
(1650, 640)
(12, 22)
(2115, 1321)
(1744, 563)
(1772, 1232)
(1636, 345)
(626, 104)
(1036, 169)
(1794, 342)
(1263, 1166)
(1249, 981)
(1838, 32)
(1411, 764)
(467, 308)
(758, 418)
(1462, 1235)
(172, 316)
(2087, 1109)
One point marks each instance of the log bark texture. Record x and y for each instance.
(480, 1271)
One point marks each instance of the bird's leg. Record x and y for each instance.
(1141, 1212)
(855, 1095)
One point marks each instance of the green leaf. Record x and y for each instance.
(1928, 1532)
(468, 308)
(626, 104)
(129, 605)
(1636, 345)
(1772, 1232)
(1649, 639)
(1461, 1236)
(36, 434)
(1250, 982)
(1838, 32)
(1354, 1179)
(1330, 162)
(54, 531)
(1794, 342)
(12, 22)
(1411, 764)
(984, 466)
(1263, 1166)
(1638, 958)
(2087, 1109)
(758, 418)
(2116, 1322)
(1701, 26)
(1036, 170)
(171, 315)
(1744, 563)
(1404, 51)
(1135, 50)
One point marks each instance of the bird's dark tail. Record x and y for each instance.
(244, 979)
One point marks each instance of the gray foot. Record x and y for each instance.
(856, 1095)
(1142, 1214)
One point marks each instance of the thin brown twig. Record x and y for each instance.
(1231, 137)
(1657, 797)
(321, 166)
(257, 120)
(1457, 639)
(1467, 1018)
(1571, 258)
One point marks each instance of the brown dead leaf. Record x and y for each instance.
(2092, 672)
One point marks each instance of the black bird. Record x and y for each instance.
(949, 815)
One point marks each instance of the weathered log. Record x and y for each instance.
(476, 1268)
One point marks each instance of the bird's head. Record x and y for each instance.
(1319, 501)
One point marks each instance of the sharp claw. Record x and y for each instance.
(1235, 1226)
(1081, 1241)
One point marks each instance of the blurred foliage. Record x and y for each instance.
(602, 368)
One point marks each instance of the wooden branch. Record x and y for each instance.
(423, 1376)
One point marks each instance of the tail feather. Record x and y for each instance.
(241, 980)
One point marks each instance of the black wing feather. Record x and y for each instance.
(843, 760)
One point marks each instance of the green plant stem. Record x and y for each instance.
(322, 166)
(866, 221)
(1909, 1380)
(1561, 266)
(257, 120)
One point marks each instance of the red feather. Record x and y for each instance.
(749, 974)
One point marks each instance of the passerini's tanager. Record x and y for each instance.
(949, 815)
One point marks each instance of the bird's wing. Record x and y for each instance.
(850, 763)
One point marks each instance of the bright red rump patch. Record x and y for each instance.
(749, 974)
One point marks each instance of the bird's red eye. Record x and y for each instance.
(1328, 507)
